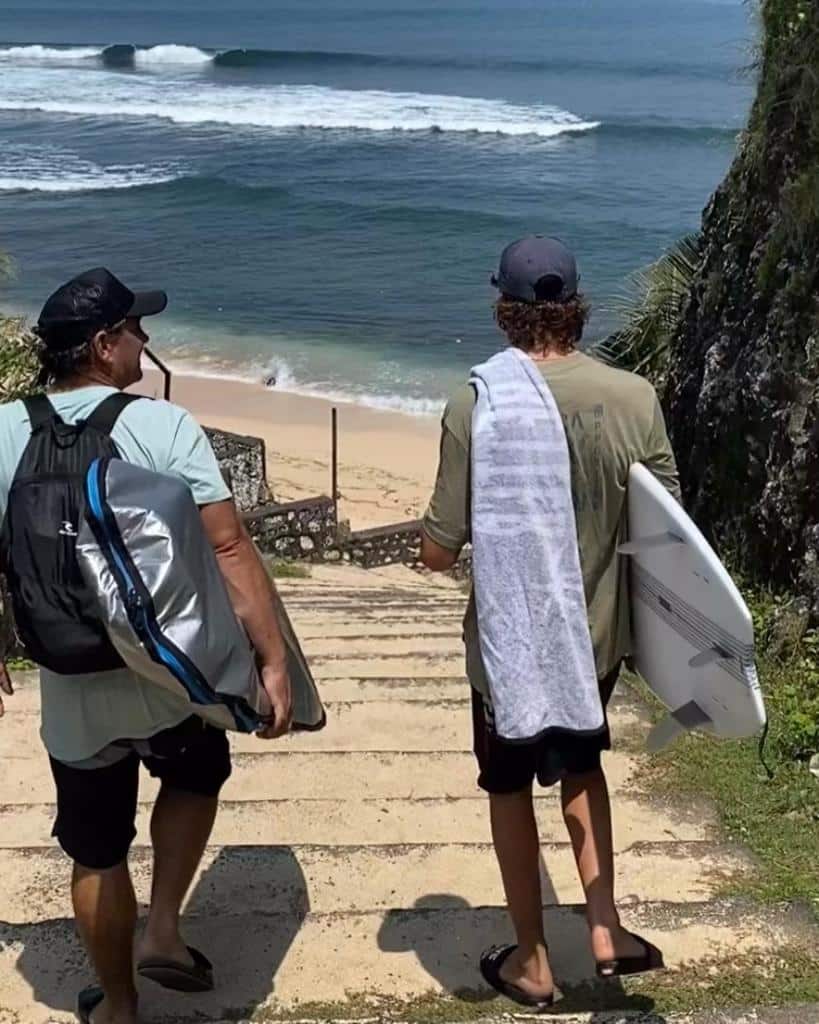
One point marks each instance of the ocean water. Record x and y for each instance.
(324, 187)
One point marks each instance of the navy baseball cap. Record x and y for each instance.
(537, 269)
(97, 299)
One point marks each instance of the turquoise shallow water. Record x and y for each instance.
(324, 189)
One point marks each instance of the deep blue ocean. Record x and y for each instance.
(324, 187)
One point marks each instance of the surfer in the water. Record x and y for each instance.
(611, 419)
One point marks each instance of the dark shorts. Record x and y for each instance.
(96, 807)
(511, 767)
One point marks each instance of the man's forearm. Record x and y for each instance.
(254, 597)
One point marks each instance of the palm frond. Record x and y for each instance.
(649, 310)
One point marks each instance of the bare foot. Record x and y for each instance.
(168, 946)
(104, 1014)
(531, 974)
(614, 943)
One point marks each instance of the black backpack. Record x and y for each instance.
(54, 612)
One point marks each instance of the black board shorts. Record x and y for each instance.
(512, 767)
(97, 805)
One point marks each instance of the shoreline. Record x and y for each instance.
(387, 459)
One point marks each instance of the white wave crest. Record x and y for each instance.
(26, 168)
(282, 107)
(187, 362)
(38, 54)
(285, 381)
(171, 53)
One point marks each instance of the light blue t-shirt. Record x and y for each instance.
(83, 713)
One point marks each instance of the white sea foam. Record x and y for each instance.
(171, 53)
(212, 368)
(192, 101)
(25, 168)
(37, 54)
(148, 56)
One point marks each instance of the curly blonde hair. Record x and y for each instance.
(542, 326)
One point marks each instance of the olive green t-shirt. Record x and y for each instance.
(612, 420)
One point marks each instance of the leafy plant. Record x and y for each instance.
(650, 308)
(19, 365)
(18, 355)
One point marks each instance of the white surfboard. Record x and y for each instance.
(693, 637)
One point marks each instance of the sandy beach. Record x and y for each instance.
(387, 460)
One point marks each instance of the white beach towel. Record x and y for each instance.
(532, 620)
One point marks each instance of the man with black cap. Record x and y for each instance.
(611, 419)
(98, 726)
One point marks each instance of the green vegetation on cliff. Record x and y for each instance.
(18, 359)
(743, 387)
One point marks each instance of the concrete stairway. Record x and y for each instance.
(356, 862)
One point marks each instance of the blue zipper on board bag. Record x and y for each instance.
(139, 605)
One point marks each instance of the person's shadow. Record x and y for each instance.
(448, 935)
(245, 936)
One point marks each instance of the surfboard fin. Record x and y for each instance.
(658, 540)
(709, 656)
(689, 716)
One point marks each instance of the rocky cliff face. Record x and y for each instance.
(743, 387)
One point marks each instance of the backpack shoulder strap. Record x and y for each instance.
(40, 411)
(107, 412)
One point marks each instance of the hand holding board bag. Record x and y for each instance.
(692, 633)
(163, 601)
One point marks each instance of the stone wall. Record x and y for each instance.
(308, 530)
(399, 544)
(298, 529)
(243, 464)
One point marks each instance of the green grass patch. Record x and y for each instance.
(20, 665)
(776, 819)
(790, 978)
(282, 570)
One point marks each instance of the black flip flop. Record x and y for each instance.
(87, 1001)
(179, 977)
(491, 962)
(651, 960)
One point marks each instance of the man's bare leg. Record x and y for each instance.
(587, 813)
(180, 828)
(105, 910)
(517, 846)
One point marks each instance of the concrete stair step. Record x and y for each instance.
(270, 961)
(431, 666)
(310, 617)
(313, 629)
(276, 771)
(343, 689)
(362, 606)
(448, 688)
(408, 725)
(390, 822)
(339, 879)
(414, 643)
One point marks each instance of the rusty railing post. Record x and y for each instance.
(163, 369)
(334, 470)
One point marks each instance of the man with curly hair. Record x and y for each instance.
(611, 419)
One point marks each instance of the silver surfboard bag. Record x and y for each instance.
(162, 598)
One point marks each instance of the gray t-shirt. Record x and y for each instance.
(83, 713)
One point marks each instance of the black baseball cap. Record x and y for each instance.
(537, 269)
(96, 299)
